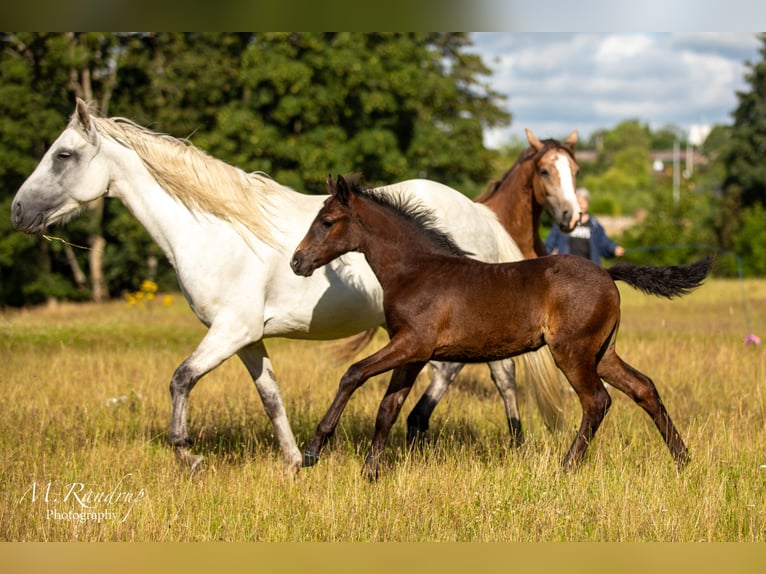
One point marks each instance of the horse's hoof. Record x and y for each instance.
(187, 459)
(310, 458)
(293, 465)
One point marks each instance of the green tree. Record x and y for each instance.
(743, 158)
(389, 105)
(297, 106)
(622, 179)
(750, 241)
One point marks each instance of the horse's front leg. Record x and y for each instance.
(397, 352)
(443, 375)
(219, 344)
(398, 389)
(258, 364)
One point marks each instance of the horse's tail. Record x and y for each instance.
(664, 281)
(345, 349)
(541, 375)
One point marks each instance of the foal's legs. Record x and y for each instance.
(578, 365)
(641, 389)
(396, 353)
(398, 389)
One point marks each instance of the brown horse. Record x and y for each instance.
(533, 183)
(444, 306)
(542, 178)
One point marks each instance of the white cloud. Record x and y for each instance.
(556, 82)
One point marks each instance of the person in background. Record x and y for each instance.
(588, 239)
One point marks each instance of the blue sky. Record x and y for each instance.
(557, 82)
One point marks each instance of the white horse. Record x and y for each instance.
(230, 236)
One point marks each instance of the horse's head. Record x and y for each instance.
(331, 234)
(68, 177)
(554, 179)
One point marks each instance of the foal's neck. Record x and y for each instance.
(393, 244)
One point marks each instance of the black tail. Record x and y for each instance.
(669, 281)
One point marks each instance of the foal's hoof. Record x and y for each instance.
(370, 474)
(310, 458)
(187, 459)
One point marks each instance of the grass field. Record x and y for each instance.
(85, 411)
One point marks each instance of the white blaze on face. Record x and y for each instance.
(566, 181)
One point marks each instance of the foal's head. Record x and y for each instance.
(331, 234)
(343, 224)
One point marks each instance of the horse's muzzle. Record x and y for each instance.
(568, 226)
(34, 225)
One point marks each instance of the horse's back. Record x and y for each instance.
(474, 227)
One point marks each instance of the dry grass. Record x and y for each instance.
(59, 427)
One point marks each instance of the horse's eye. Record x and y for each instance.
(544, 172)
(64, 155)
(326, 223)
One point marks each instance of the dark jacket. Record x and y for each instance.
(600, 244)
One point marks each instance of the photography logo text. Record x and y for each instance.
(82, 502)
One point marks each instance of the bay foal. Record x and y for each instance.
(444, 306)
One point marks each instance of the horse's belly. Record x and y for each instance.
(325, 307)
(325, 324)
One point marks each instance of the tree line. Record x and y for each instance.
(296, 106)
(301, 105)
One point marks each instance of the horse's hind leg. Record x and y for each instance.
(641, 389)
(443, 375)
(504, 375)
(398, 389)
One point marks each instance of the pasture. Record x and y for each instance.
(85, 415)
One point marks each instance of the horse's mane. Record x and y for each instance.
(528, 154)
(200, 181)
(414, 213)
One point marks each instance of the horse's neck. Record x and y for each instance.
(168, 221)
(166, 217)
(513, 204)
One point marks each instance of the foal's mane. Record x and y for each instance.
(200, 181)
(413, 214)
(528, 154)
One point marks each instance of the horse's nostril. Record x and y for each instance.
(16, 212)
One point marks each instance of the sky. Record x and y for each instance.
(558, 82)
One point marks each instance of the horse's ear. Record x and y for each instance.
(341, 191)
(83, 116)
(533, 141)
(330, 183)
(571, 139)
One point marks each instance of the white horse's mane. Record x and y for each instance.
(200, 181)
